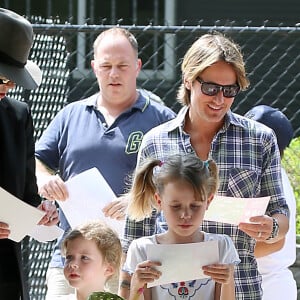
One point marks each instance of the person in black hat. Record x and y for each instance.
(275, 259)
(17, 163)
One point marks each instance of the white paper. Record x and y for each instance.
(89, 193)
(235, 210)
(182, 262)
(20, 216)
(45, 234)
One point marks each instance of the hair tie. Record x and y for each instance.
(206, 164)
(160, 163)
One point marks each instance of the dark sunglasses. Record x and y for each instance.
(4, 80)
(212, 89)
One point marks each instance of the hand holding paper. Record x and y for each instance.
(145, 272)
(182, 262)
(89, 193)
(116, 209)
(4, 230)
(51, 215)
(21, 217)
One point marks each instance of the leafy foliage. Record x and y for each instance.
(104, 296)
(291, 163)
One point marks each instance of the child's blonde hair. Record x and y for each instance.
(202, 175)
(106, 239)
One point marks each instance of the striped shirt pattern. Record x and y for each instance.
(248, 159)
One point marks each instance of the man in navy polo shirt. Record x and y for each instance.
(103, 131)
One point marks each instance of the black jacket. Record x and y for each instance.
(17, 165)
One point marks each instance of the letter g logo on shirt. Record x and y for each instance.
(134, 142)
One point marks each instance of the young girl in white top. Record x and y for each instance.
(182, 188)
(93, 254)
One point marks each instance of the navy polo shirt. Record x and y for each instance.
(78, 139)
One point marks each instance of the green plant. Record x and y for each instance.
(291, 163)
(104, 296)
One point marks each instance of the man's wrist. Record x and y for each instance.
(275, 230)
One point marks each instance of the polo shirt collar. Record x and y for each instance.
(141, 103)
(92, 101)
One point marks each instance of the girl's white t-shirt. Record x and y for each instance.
(68, 297)
(187, 290)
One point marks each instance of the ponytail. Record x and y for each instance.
(141, 195)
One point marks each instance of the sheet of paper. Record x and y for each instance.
(45, 234)
(20, 216)
(182, 262)
(235, 210)
(88, 194)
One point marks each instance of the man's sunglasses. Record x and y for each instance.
(4, 80)
(212, 89)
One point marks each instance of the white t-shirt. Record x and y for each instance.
(68, 297)
(194, 289)
(277, 280)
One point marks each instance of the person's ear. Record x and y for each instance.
(187, 84)
(138, 66)
(209, 199)
(158, 200)
(93, 65)
(109, 270)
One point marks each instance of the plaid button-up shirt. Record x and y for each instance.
(248, 159)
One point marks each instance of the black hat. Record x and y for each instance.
(16, 38)
(276, 120)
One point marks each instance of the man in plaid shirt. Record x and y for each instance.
(245, 151)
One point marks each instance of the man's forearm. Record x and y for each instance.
(263, 249)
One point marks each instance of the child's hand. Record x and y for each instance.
(145, 272)
(221, 273)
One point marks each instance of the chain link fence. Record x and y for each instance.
(64, 52)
